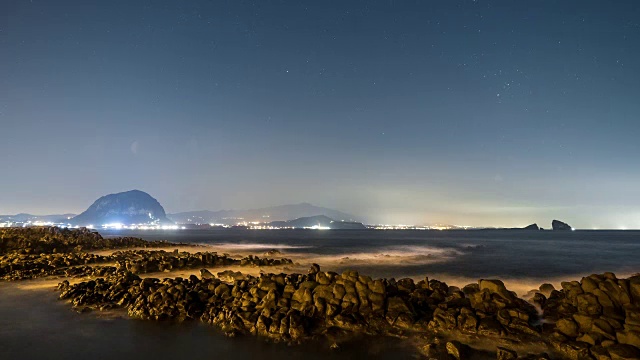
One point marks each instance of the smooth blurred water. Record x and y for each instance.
(34, 325)
(509, 254)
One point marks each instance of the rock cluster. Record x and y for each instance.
(29, 253)
(36, 240)
(146, 261)
(295, 307)
(597, 317)
(17, 266)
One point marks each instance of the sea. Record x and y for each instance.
(462, 254)
(33, 324)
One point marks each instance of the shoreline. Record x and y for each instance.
(35, 324)
(275, 299)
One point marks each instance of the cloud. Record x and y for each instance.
(134, 147)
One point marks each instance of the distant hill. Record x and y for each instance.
(56, 218)
(319, 221)
(130, 207)
(532, 227)
(275, 213)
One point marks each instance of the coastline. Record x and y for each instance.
(595, 317)
(35, 324)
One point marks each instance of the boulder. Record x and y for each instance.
(629, 337)
(490, 327)
(618, 295)
(546, 289)
(604, 328)
(590, 338)
(584, 322)
(457, 349)
(377, 286)
(588, 304)
(470, 289)
(623, 352)
(506, 354)
(396, 306)
(590, 283)
(573, 350)
(600, 353)
(632, 316)
(496, 287)
(467, 320)
(315, 268)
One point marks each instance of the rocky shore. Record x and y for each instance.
(597, 317)
(41, 252)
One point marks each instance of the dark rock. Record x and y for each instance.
(496, 287)
(506, 354)
(490, 327)
(457, 349)
(585, 322)
(573, 350)
(546, 289)
(567, 327)
(629, 337)
(206, 274)
(623, 352)
(315, 268)
(600, 353)
(559, 225)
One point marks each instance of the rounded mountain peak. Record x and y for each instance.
(129, 207)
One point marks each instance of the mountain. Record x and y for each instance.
(275, 213)
(532, 227)
(130, 207)
(559, 225)
(319, 221)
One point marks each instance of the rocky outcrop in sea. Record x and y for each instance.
(559, 225)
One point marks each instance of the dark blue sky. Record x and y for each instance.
(466, 112)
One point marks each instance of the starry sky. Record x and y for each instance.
(494, 113)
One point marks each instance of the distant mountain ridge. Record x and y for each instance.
(129, 207)
(268, 214)
(22, 217)
(319, 221)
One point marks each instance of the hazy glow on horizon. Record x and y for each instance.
(374, 110)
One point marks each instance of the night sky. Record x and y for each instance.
(462, 112)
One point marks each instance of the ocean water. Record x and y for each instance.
(530, 257)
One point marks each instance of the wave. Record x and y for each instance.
(255, 246)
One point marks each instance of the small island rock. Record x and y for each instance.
(559, 225)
